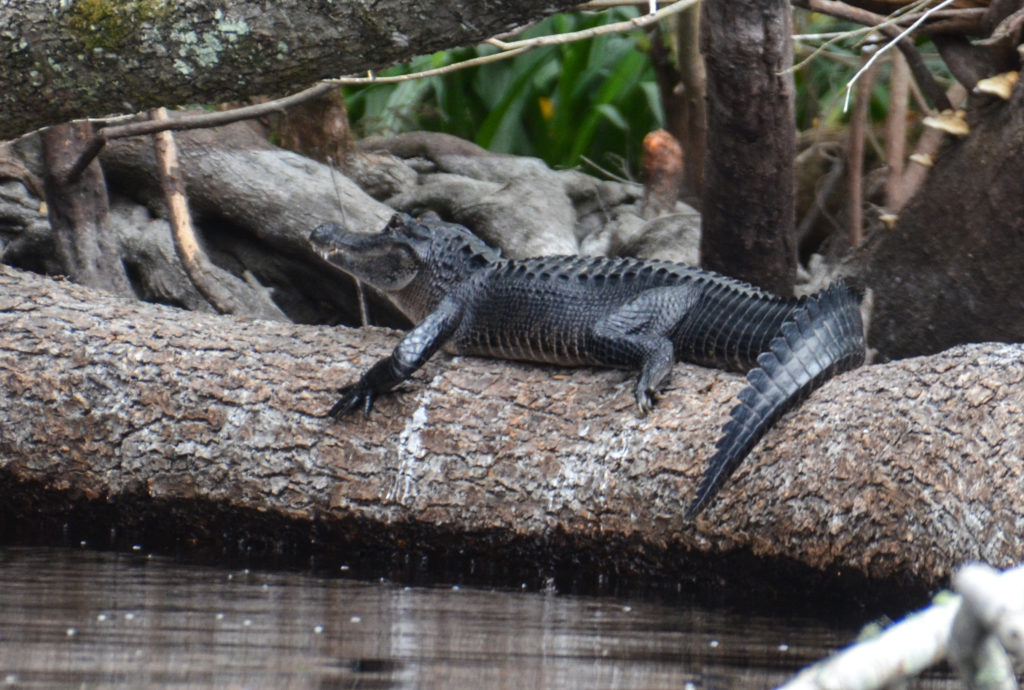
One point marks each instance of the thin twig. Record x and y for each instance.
(828, 35)
(855, 160)
(617, 27)
(966, 20)
(372, 78)
(844, 35)
(608, 173)
(878, 53)
(841, 10)
(611, 4)
(871, 22)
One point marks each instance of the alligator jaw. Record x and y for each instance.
(388, 260)
(333, 243)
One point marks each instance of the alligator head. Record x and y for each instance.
(415, 262)
(388, 261)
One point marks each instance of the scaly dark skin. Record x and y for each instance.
(571, 310)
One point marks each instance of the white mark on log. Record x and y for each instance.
(277, 485)
(580, 478)
(237, 418)
(410, 448)
(409, 440)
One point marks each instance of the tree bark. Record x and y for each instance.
(749, 179)
(901, 470)
(69, 60)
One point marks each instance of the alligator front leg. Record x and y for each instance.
(410, 354)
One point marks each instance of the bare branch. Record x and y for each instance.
(958, 627)
(192, 257)
(967, 20)
(371, 78)
(857, 134)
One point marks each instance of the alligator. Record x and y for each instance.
(629, 313)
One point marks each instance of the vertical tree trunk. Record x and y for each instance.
(79, 212)
(693, 123)
(749, 177)
(896, 132)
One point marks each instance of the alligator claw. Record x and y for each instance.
(359, 394)
(645, 401)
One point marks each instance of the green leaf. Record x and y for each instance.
(613, 115)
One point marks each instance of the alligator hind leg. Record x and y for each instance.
(651, 355)
(637, 336)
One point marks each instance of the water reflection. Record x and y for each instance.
(71, 618)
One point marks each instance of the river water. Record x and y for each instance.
(78, 618)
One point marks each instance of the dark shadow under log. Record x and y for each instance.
(896, 471)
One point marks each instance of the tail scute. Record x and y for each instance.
(822, 338)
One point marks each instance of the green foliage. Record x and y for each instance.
(595, 98)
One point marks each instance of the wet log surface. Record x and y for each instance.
(160, 422)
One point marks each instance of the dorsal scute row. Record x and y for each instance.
(605, 270)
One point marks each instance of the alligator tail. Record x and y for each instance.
(820, 339)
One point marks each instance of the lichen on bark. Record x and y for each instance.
(109, 24)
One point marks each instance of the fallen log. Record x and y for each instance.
(899, 470)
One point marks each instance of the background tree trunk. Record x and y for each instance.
(950, 270)
(898, 470)
(59, 57)
(692, 122)
(79, 213)
(749, 181)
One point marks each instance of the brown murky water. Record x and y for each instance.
(85, 619)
